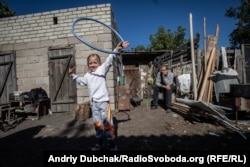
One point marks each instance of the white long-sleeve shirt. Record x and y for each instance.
(96, 81)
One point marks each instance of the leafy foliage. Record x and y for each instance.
(5, 11)
(240, 35)
(165, 39)
(139, 48)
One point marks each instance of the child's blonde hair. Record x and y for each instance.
(94, 55)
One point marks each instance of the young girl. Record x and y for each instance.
(95, 79)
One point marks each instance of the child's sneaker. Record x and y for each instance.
(97, 147)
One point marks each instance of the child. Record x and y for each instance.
(95, 79)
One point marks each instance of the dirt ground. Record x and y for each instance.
(137, 129)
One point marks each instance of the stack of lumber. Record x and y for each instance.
(199, 110)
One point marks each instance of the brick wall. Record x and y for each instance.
(31, 36)
(40, 26)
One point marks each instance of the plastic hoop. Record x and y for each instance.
(88, 44)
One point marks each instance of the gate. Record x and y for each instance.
(132, 78)
(62, 87)
(8, 80)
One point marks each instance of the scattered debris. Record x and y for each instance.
(200, 109)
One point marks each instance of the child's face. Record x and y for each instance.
(93, 63)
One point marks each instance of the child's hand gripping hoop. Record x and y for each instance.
(88, 44)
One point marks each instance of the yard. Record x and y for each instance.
(139, 129)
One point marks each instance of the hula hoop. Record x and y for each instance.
(88, 44)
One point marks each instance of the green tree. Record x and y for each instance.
(166, 39)
(240, 35)
(5, 11)
(139, 48)
(142, 48)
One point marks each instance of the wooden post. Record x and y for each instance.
(205, 45)
(193, 59)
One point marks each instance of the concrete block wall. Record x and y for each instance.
(31, 36)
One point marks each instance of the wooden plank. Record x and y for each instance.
(205, 80)
(210, 87)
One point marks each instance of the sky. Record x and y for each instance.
(138, 19)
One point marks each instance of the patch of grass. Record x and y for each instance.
(146, 102)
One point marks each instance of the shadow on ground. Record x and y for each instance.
(138, 130)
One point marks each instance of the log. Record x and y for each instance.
(82, 111)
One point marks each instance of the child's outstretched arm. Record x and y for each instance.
(122, 45)
(109, 60)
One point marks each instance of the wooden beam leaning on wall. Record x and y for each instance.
(205, 82)
(202, 93)
(211, 83)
